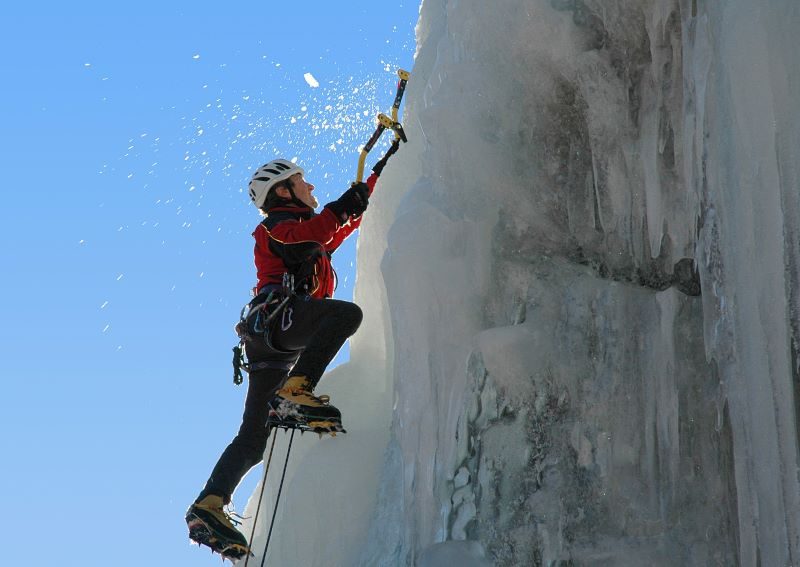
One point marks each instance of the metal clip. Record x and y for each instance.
(288, 284)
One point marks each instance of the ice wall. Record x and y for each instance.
(562, 393)
(537, 381)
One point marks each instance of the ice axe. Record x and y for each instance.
(385, 123)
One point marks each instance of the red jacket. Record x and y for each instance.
(297, 240)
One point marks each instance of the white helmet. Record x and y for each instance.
(267, 176)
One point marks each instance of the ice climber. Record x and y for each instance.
(286, 359)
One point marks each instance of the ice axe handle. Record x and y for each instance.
(367, 147)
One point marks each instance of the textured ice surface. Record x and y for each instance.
(530, 387)
(451, 553)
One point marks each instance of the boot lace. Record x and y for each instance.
(306, 391)
(233, 517)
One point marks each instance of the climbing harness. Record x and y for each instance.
(255, 322)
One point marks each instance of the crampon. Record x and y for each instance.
(296, 407)
(322, 427)
(201, 534)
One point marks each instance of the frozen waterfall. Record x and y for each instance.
(537, 381)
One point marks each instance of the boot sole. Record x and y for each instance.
(326, 426)
(315, 425)
(202, 534)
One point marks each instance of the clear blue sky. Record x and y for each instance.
(128, 135)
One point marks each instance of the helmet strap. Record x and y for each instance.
(290, 187)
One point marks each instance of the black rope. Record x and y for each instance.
(277, 499)
(261, 495)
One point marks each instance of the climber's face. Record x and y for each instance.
(302, 190)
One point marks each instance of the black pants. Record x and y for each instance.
(316, 329)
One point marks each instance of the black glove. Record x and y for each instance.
(352, 203)
(378, 169)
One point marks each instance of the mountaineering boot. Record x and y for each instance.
(210, 525)
(295, 405)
